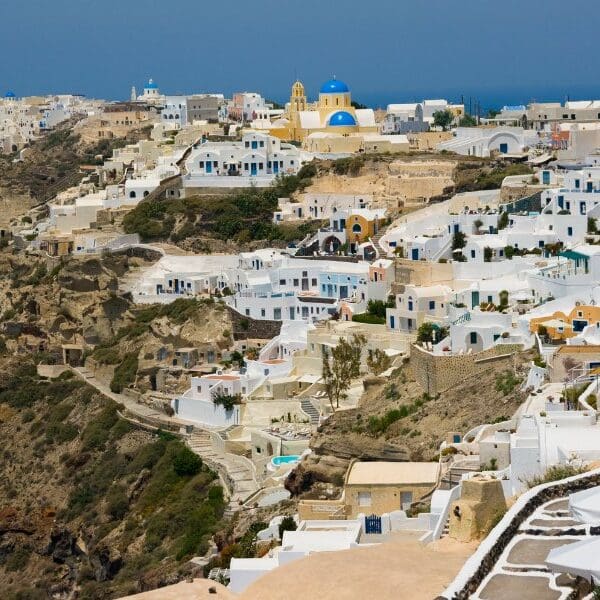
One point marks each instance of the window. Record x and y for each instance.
(313, 281)
(247, 312)
(262, 312)
(406, 499)
(569, 231)
(277, 314)
(296, 282)
(202, 164)
(364, 498)
(472, 253)
(473, 337)
(432, 305)
(282, 282)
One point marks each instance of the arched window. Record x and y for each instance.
(356, 228)
(132, 194)
(146, 193)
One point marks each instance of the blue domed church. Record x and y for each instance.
(332, 114)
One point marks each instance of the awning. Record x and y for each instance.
(585, 506)
(580, 558)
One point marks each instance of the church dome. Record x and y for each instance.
(151, 85)
(334, 86)
(10, 95)
(341, 118)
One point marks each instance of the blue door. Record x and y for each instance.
(503, 148)
(253, 169)
(415, 254)
(208, 166)
(474, 299)
(275, 167)
(373, 524)
(392, 322)
(546, 177)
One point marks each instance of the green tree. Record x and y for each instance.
(430, 332)
(185, 462)
(503, 220)
(509, 252)
(468, 121)
(378, 361)
(592, 227)
(287, 524)
(487, 254)
(459, 240)
(340, 365)
(443, 118)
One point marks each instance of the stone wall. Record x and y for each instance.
(423, 272)
(436, 374)
(248, 328)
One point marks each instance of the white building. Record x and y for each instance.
(309, 537)
(151, 94)
(476, 141)
(319, 206)
(416, 304)
(255, 160)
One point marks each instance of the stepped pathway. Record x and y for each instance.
(309, 408)
(381, 253)
(236, 471)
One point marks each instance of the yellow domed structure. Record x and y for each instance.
(332, 114)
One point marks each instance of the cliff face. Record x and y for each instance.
(91, 507)
(397, 421)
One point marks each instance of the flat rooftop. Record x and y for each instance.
(391, 473)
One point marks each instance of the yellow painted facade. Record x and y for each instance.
(359, 229)
(303, 118)
(560, 326)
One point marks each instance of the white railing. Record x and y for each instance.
(452, 496)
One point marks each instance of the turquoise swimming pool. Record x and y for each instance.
(277, 461)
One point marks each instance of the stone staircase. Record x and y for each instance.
(454, 475)
(381, 253)
(446, 529)
(309, 408)
(236, 471)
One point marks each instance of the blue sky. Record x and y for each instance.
(386, 50)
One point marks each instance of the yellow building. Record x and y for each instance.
(560, 326)
(332, 113)
(376, 488)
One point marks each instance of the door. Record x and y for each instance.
(503, 148)
(275, 167)
(474, 299)
(343, 291)
(304, 284)
(208, 166)
(253, 169)
(392, 322)
(415, 254)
